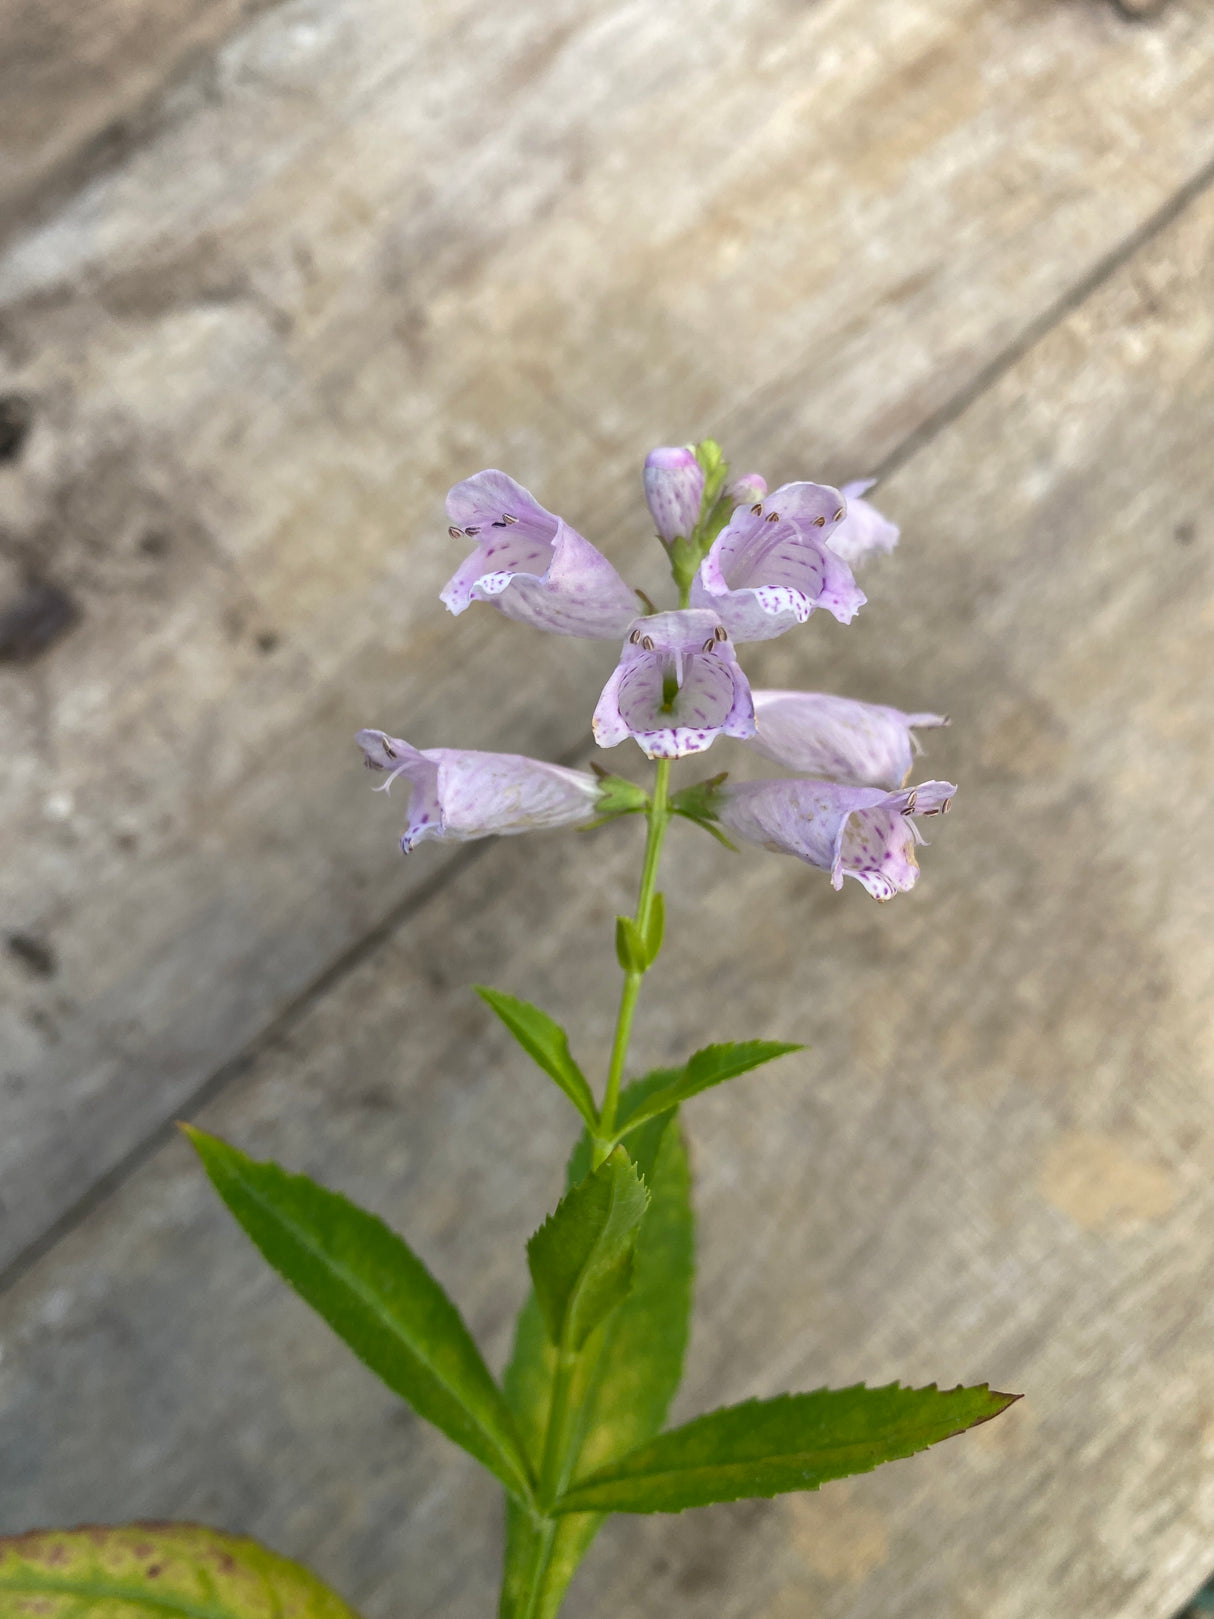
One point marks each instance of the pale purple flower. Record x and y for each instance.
(770, 567)
(858, 832)
(865, 744)
(457, 794)
(531, 565)
(863, 533)
(674, 488)
(744, 491)
(676, 688)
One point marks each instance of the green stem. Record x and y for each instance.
(545, 1536)
(556, 1440)
(561, 1438)
(658, 816)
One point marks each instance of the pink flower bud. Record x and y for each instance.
(674, 487)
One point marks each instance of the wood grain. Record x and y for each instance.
(368, 252)
(994, 1161)
(81, 85)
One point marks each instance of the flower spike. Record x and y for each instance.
(531, 565)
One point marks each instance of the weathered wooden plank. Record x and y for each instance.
(383, 249)
(994, 1161)
(79, 84)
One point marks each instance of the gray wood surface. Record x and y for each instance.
(356, 256)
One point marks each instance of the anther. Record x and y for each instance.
(455, 533)
(471, 531)
(838, 517)
(910, 802)
(720, 633)
(709, 645)
(498, 523)
(647, 643)
(757, 508)
(946, 806)
(508, 517)
(773, 517)
(387, 747)
(819, 521)
(635, 637)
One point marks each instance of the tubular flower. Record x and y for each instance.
(458, 794)
(863, 533)
(674, 488)
(865, 744)
(858, 832)
(530, 564)
(771, 565)
(676, 688)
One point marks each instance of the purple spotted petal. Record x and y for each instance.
(674, 487)
(677, 687)
(457, 794)
(858, 832)
(865, 744)
(863, 533)
(770, 567)
(531, 565)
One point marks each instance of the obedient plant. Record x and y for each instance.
(575, 1430)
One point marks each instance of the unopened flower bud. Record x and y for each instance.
(674, 488)
(744, 491)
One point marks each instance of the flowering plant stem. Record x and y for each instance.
(563, 1425)
(658, 816)
(575, 1428)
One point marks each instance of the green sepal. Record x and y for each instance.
(175, 1570)
(685, 555)
(770, 1447)
(715, 469)
(378, 1297)
(546, 1043)
(581, 1257)
(711, 1066)
(712, 525)
(629, 1370)
(618, 796)
(635, 950)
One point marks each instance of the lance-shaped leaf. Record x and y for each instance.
(629, 1370)
(768, 1447)
(546, 1043)
(711, 1066)
(376, 1295)
(175, 1570)
(581, 1257)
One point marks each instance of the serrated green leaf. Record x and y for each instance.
(135, 1571)
(377, 1296)
(633, 1362)
(711, 1066)
(546, 1043)
(581, 1257)
(769, 1447)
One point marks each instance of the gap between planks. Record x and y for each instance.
(229, 1072)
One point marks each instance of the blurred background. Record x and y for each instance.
(273, 275)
